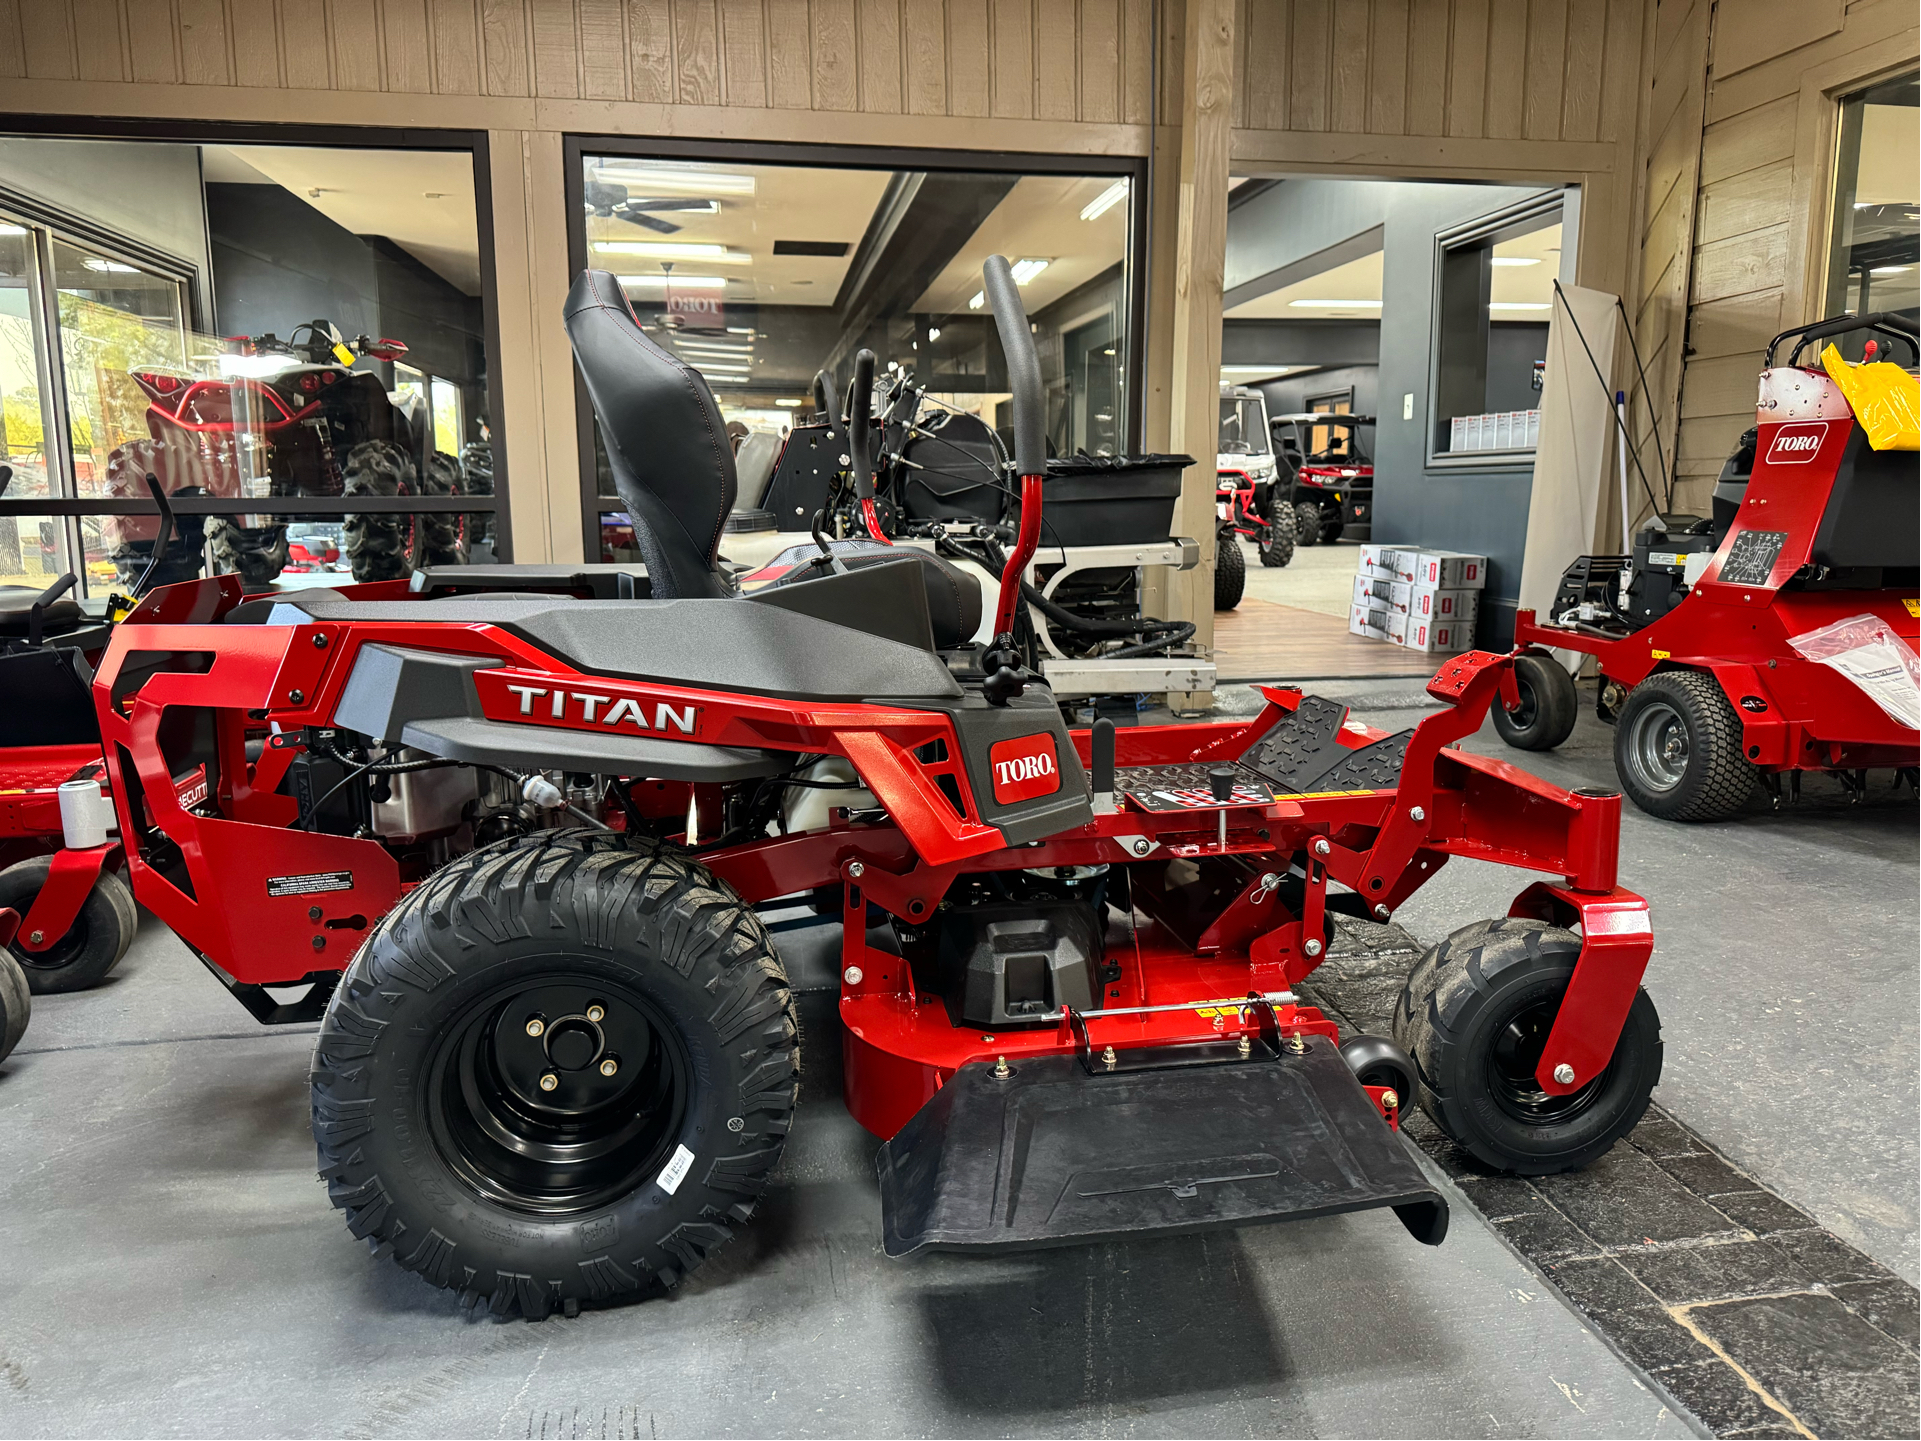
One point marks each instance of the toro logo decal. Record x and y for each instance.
(1024, 768)
(1797, 443)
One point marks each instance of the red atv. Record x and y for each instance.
(1706, 636)
(294, 419)
(516, 845)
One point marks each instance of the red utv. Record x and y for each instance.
(1331, 482)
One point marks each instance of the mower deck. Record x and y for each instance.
(1058, 1152)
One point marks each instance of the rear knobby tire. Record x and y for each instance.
(16, 1004)
(1307, 522)
(1230, 570)
(1549, 705)
(1677, 748)
(93, 944)
(1277, 536)
(376, 544)
(1475, 1014)
(439, 1141)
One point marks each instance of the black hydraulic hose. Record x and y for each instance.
(1158, 635)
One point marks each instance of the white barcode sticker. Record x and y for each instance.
(675, 1171)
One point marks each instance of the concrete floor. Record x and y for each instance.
(1319, 578)
(173, 1268)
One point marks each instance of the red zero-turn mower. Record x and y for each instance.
(59, 861)
(1696, 634)
(516, 846)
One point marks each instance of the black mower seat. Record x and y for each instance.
(16, 610)
(708, 644)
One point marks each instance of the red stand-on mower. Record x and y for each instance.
(1695, 634)
(516, 847)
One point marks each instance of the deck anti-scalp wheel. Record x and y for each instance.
(1677, 748)
(1549, 705)
(93, 944)
(1475, 1015)
(561, 1071)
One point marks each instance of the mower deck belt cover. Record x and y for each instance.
(1051, 1155)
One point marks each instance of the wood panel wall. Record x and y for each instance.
(1040, 60)
(1736, 249)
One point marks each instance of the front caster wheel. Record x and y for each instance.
(1549, 706)
(1475, 1015)
(93, 944)
(560, 1072)
(16, 1004)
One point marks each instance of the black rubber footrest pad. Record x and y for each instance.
(1300, 746)
(1052, 1156)
(1375, 767)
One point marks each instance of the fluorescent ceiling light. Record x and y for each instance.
(1335, 304)
(679, 282)
(1889, 269)
(740, 330)
(673, 180)
(714, 348)
(791, 404)
(980, 299)
(1026, 270)
(1105, 201)
(1516, 260)
(109, 267)
(675, 250)
(933, 331)
(13, 230)
(1518, 305)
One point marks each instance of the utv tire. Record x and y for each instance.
(437, 534)
(440, 1141)
(376, 545)
(1230, 570)
(1475, 1014)
(1549, 706)
(16, 1004)
(1677, 749)
(1277, 537)
(1307, 523)
(92, 946)
(1332, 531)
(477, 478)
(256, 554)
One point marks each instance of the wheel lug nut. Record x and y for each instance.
(549, 1081)
(609, 1066)
(536, 1026)
(596, 1013)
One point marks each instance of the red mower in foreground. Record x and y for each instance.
(1750, 645)
(515, 847)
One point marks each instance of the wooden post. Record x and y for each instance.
(1207, 112)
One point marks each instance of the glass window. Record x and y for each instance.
(1243, 423)
(1496, 296)
(279, 324)
(760, 275)
(1874, 256)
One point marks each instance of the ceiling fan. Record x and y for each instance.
(612, 202)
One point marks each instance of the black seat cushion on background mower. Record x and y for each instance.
(666, 443)
(16, 612)
(46, 698)
(724, 645)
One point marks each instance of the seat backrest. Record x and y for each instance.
(666, 444)
(755, 464)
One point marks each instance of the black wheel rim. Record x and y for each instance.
(587, 1139)
(61, 953)
(1522, 716)
(1513, 1058)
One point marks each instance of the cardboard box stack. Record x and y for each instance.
(1425, 600)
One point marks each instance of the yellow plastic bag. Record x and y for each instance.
(1884, 397)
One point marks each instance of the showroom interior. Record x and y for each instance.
(349, 352)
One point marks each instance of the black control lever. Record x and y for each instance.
(1220, 780)
(46, 598)
(1103, 739)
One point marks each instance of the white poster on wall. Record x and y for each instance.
(1572, 497)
